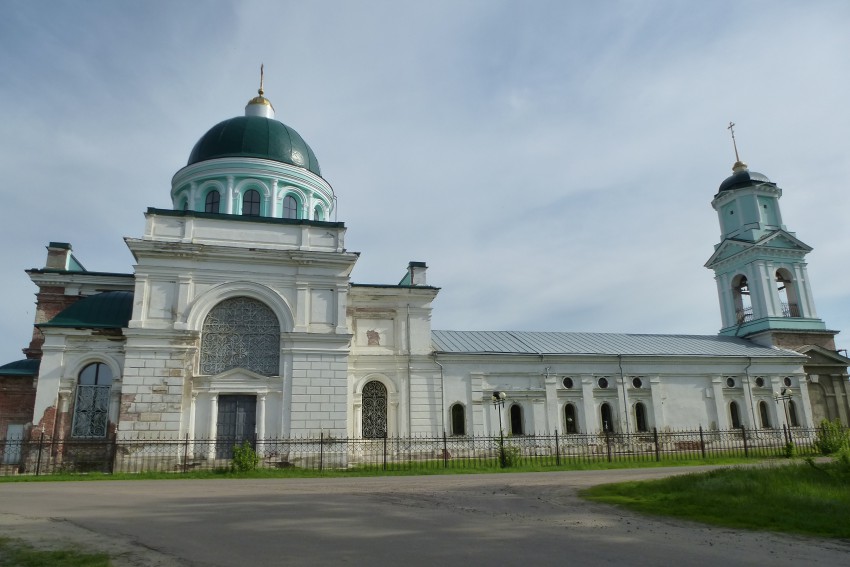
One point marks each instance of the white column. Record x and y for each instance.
(261, 423)
(655, 388)
(212, 424)
(590, 421)
(302, 299)
(190, 427)
(274, 211)
(804, 292)
(719, 402)
(229, 196)
(750, 410)
(625, 407)
(552, 421)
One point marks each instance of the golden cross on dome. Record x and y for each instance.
(731, 128)
(260, 91)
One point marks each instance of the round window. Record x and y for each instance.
(568, 382)
(787, 381)
(760, 382)
(637, 383)
(730, 382)
(603, 383)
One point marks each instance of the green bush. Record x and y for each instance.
(832, 437)
(244, 458)
(790, 450)
(508, 455)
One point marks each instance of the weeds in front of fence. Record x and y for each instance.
(805, 498)
(415, 455)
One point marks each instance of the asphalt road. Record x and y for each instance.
(468, 520)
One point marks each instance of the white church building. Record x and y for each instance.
(240, 319)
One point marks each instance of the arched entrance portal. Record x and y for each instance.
(374, 419)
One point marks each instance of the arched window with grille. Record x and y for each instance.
(640, 417)
(735, 415)
(764, 415)
(241, 332)
(570, 419)
(290, 207)
(374, 408)
(91, 407)
(251, 203)
(458, 419)
(212, 203)
(607, 418)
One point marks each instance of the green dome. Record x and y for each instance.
(255, 137)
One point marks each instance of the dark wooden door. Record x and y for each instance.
(237, 420)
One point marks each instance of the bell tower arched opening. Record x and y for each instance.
(743, 301)
(787, 291)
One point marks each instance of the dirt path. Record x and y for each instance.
(505, 519)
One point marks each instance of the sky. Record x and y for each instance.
(553, 162)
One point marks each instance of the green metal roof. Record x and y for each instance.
(25, 367)
(107, 310)
(257, 137)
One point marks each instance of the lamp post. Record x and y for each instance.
(785, 395)
(498, 400)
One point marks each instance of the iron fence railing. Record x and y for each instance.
(43, 456)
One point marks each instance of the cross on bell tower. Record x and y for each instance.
(760, 266)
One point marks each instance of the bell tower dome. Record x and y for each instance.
(760, 266)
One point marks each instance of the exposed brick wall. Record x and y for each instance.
(17, 398)
(795, 340)
(50, 301)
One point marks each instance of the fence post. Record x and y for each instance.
(40, 446)
(557, 450)
(445, 452)
(608, 443)
(385, 451)
(744, 435)
(657, 448)
(701, 442)
(114, 448)
(321, 450)
(186, 454)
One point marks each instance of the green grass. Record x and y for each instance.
(14, 553)
(798, 498)
(433, 469)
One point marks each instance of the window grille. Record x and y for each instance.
(91, 409)
(374, 410)
(241, 333)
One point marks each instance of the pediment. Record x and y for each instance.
(727, 249)
(779, 240)
(820, 355)
(783, 239)
(236, 380)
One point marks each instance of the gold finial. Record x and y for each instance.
(260, 90)
(260, 99)
(739, 165)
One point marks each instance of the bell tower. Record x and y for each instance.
(760, 266)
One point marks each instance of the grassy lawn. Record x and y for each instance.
(798, 498)
(14, 553)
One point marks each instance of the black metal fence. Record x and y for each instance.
(40, 456)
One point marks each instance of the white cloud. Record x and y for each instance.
(553, 162)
